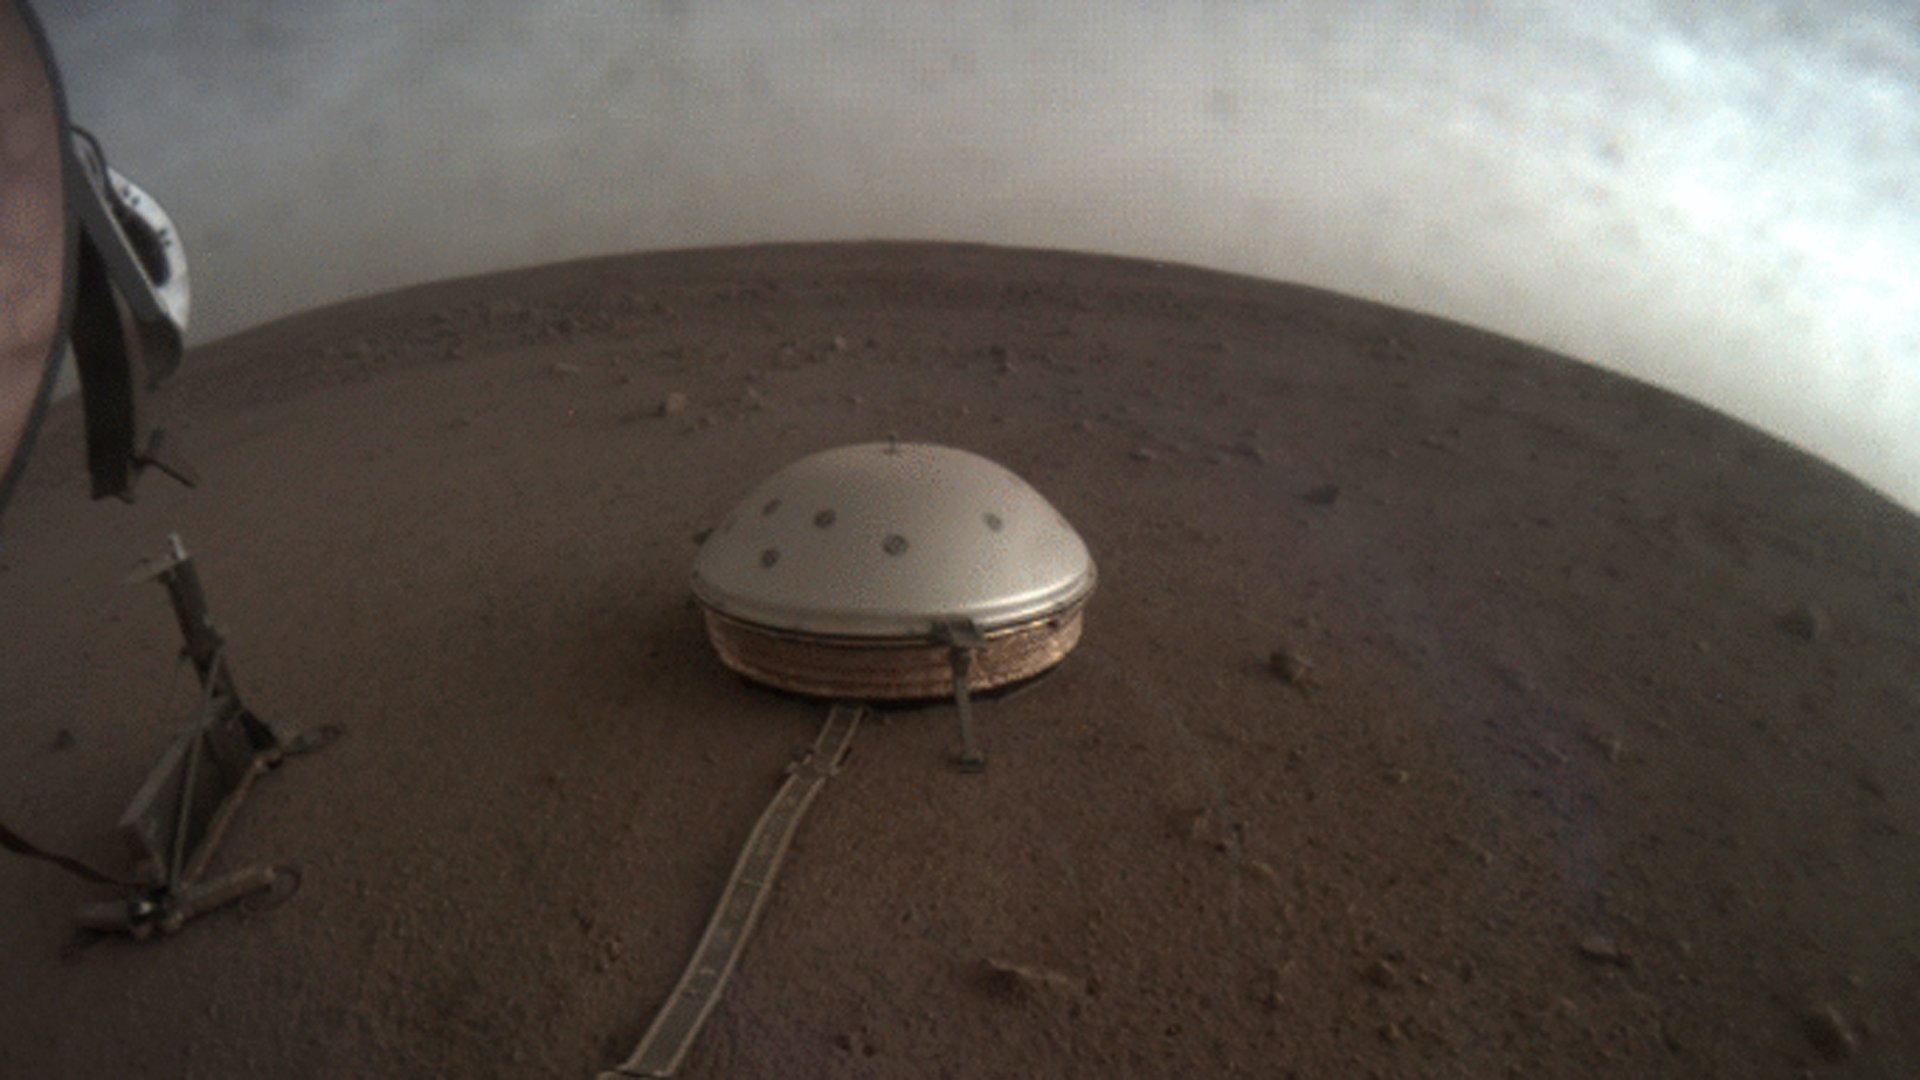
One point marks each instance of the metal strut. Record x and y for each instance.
(180, 814)
(963, 639)
(678, 1021)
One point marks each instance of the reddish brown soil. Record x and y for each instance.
(1562, 786)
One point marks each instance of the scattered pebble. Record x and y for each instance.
(1866, 781)
(1604, 741)
(1827, 1030)
(1382, 974)
(1025, 980)
(1141, 453)
(1806, 622)
(1324, 495)
(562, 368)
(63, 739)
(673, 405)
(1289, 666)
(1602, 949)
(839, 343)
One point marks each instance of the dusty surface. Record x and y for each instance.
(1594, 751)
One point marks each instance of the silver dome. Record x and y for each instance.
(887, 541)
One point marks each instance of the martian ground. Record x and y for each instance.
(1447, 707)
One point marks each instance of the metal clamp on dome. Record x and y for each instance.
(962, 638)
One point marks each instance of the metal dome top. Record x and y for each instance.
(888, 541)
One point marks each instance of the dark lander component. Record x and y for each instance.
(877, 573)
(176, 820)
(94, 262)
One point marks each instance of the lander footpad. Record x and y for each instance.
(678, 1021)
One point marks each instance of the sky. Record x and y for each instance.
(1716, 196)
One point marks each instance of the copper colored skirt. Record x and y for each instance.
(861, 670)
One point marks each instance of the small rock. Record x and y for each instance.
(1198, 825)
(1392, 1033)
(1141, 453)
(1827, 1030)
(839, 343)
(1324, 495)
(1399, 776)
(1025, 980)
(753, 399)
(1382, 974)
(844, 1042)
(1290, 666)
(673, 404)
(1602, 949)
(63, 739)
(1603, 740)
(1866, 781)
(1263, 870)
(1806, 622)
(561, 367)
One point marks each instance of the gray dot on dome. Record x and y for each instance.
(894, 544)
(769, 556)
(823, 519)
(993, 522)
(772, 505)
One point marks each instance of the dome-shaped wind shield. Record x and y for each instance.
(869, 572)
(890, 542)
